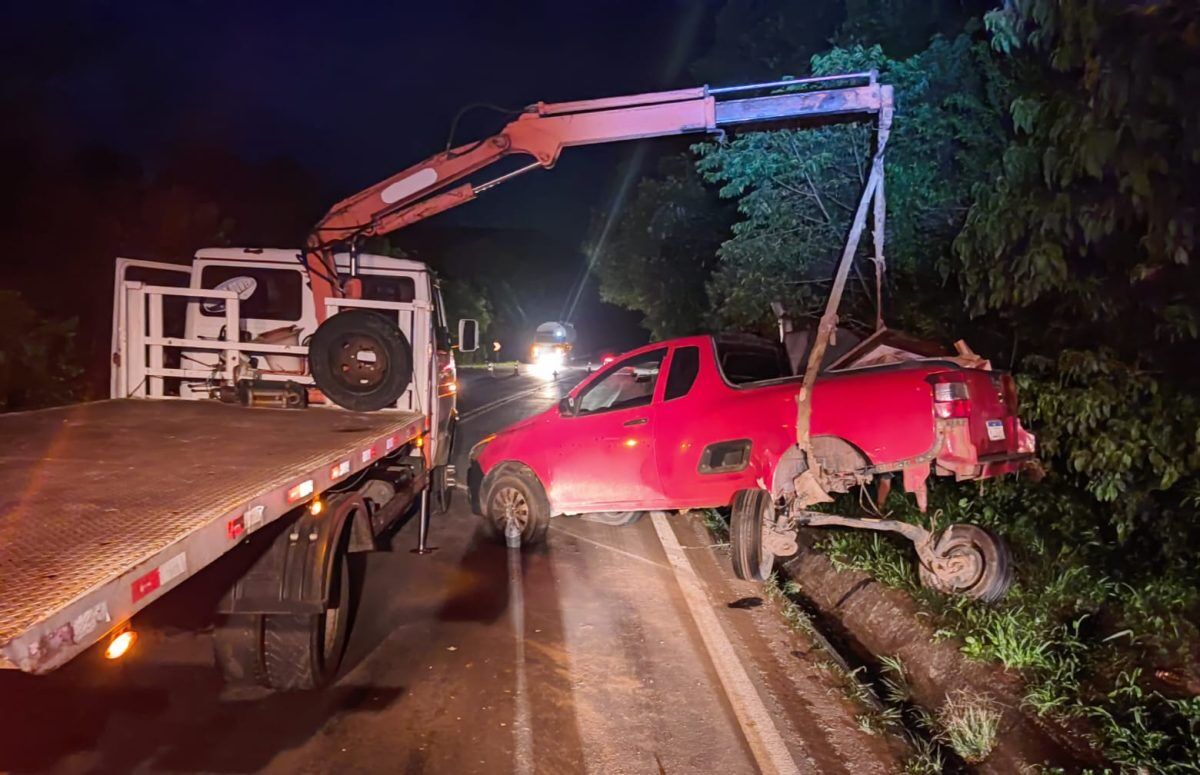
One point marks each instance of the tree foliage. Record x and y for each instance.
(37, 357)
(658, 256)
(1083, 241)
(796, 190)
(1093, 211)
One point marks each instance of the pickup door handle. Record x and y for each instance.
(637, 421)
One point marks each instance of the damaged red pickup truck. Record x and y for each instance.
(711, 422)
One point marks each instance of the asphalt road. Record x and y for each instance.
(584, 655)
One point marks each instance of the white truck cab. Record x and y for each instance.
(195, 354)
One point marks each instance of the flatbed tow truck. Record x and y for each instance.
(222, 433)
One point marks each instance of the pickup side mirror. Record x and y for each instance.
(566, 407)
(468, 335)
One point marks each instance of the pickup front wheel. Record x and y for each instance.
(515, 505)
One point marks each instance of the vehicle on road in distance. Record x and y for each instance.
(552, 344)
(705, 422)
(112, 504)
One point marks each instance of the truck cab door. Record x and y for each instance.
(604, 457)
(174, 311)
(445, 383)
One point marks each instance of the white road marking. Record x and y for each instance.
(767, 745)
(523, 723)
(505, 400)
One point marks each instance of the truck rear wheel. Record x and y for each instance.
(360, 360)
(753, 511)
(303, 651)
(515, 497)
(237, 648)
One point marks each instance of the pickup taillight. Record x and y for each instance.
(951, 398)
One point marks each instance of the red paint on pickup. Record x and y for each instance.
(646, 448)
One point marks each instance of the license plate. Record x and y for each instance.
(995, 430)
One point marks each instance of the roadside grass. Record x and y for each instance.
(968, 722)
(1086, 626)
(886, 704)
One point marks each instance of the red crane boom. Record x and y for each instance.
(541, 133)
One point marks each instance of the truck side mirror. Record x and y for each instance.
(468, 335)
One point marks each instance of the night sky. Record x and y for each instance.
(353, 91)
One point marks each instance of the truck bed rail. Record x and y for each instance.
(105, 506)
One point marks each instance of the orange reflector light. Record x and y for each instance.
(316, 507)
(420, 441)
(631, 442)
(120, 645)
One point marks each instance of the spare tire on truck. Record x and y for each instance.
(360, 360)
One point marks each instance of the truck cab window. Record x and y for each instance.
(440, 333)
(631, 383)
(271, 294)
(378, 287)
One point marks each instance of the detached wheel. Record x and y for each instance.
(753, 511)
(515, 497)
(971, 561)
(303, 651)
(360, 360)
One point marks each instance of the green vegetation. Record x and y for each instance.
(37, 358)
(1042, 205)
(968, 722)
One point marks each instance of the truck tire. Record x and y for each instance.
(303, 651)
(751, 509)
(515, 495)
(989, 562)
(238, 650)
(360, 360)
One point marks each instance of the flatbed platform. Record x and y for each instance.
(105, 506)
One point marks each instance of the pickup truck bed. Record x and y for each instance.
(104, 506)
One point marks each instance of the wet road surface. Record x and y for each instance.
(579, 656)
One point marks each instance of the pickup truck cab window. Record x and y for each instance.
(629, 384)
(744, 360)
(685, 367)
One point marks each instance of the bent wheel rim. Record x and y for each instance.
(963, 567)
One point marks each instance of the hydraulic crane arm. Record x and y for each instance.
(543, 131)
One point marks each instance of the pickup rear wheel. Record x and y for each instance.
(753, 513)
(303, 651)
(513, 500)
(360, 360)
(971, 561)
